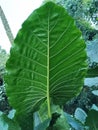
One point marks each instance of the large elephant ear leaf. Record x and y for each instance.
(47, 60)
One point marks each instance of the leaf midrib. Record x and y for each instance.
(48, 95)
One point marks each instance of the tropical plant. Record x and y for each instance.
(46, 67)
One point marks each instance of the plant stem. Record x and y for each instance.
(48, 96)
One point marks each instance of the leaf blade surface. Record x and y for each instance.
(47, 60)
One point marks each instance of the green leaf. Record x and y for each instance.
(47, 61)
(8, 124)
(61, 124)
(92, 120)
(25, 121)
(92, 72)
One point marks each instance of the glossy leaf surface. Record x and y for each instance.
(47, 60)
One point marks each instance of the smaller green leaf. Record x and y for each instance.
(61, 124)
(92, 120)
(8, 124)
(92, 72)
(25, 121)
